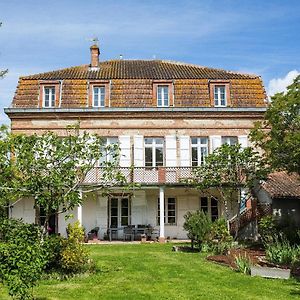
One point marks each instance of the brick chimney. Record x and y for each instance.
(94, 56)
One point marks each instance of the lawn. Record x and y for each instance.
(153, 271)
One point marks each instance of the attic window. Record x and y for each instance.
(163, 93)
(99, 96)
(49, 94)
(163, 96)
(99, 93)
(219, 93)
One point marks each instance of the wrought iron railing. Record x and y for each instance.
(145, 175)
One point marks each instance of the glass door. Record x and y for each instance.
(119, 212)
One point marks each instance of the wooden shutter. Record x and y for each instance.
(243, 140)
(184, 145)
(171, 155)
(138, 151)
(215, 142)
(125, 157)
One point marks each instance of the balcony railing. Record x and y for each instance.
(144, 175)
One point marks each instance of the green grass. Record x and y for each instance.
(153, 271)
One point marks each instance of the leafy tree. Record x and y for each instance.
(52, 169)
(279, 134)
(227, 171)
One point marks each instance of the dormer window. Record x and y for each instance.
(99, 93)
(220, 95)
(49, 96)
(99, 96)
(163, 96)
(163, 93)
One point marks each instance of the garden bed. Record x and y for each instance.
(256, 255)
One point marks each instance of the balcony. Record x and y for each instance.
(144, 175)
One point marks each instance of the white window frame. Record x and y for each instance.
(155, 145)
(100, 95)
(230, 140)
(199, 146)
(217, 95)
(167, 211)
(162, 87)
(51, 88)
(106, 156)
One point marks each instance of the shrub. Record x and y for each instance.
(243, 264)
(267, 229)
(197, 224)
(53, 246)
(22, 257)
(74, 257)
(219, 240)
(281, 252)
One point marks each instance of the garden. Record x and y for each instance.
(153, 271)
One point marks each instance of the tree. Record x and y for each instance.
(52, 169)
(228, 171)
(279, 133)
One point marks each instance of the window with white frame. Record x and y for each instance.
(230, 140)
(170, 211)
(209, 205)
(199, 150)
(163, 96)
(98, 96)
(49, 96)
(108, 149)
(154, 152)
(220, 95)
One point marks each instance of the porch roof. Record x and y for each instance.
(282, 185)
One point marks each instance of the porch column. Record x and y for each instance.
(162, 214)
(79, 209)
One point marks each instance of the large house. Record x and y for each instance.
(166, 116)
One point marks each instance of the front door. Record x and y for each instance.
(119, 212)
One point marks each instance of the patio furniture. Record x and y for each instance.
(93, 233)
(128, 232)
(113, 233)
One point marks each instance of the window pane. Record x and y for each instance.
(102, 96)
(194, 141)
(204, 153)
(148, 157)
(148, 141)
(159, 141)
(204, 202)
(194, 156)
(159, 157)
(171, 220)
(124, 221)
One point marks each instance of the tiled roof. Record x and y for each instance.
(283, 185)
(140, 69)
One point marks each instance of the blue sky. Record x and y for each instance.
(260, 37)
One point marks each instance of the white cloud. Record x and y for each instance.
(278, 85)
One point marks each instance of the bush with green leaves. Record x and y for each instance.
(22, 257)
(243, 264)
(219, 240)
(281, 252)
(267, 228)
(198, 225)
(74, 257)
